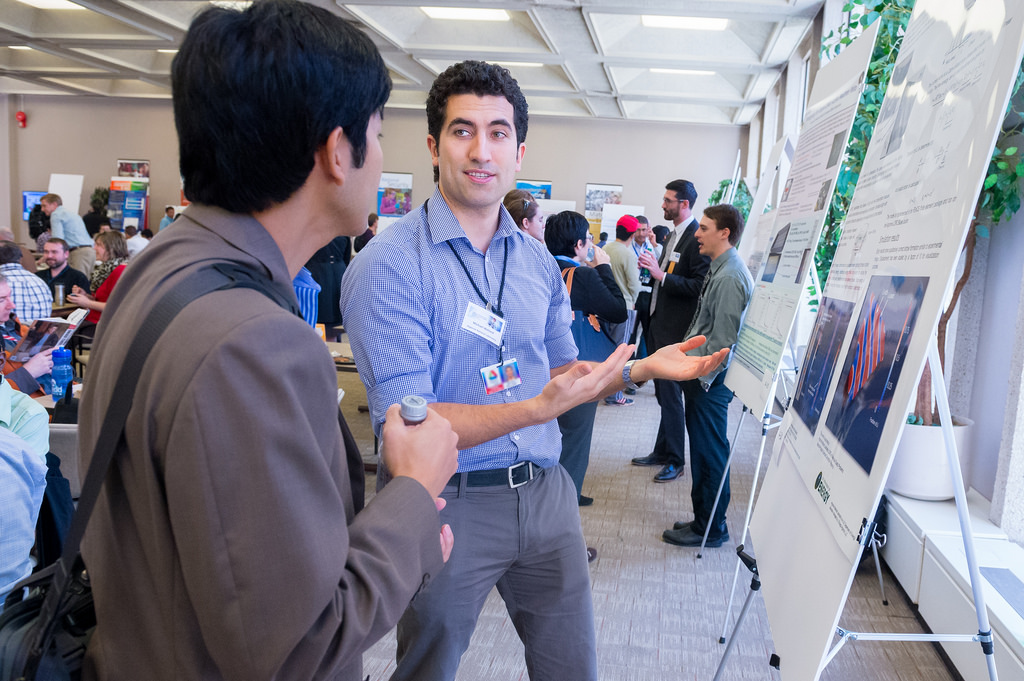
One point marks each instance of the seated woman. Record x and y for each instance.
(111, 258)
(593, 296)
(526, 213)
(23, 376)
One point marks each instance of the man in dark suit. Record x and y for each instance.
(676, 281)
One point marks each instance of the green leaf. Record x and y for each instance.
(982, 231)
(1011, 151)
(1002, 165)
(848, 7)
(991, 180)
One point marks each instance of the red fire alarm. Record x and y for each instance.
(22, 119)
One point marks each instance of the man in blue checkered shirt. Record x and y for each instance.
(32, 298)
(455, 304)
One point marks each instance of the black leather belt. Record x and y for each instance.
(513, 476)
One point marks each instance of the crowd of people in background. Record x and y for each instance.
(470, 499)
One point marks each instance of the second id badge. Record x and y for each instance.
(501, 376)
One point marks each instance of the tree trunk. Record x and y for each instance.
(925, 405)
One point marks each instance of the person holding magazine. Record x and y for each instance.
(28, 377)
(594, 297)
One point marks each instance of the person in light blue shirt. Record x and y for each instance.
(455, 304)
(168, 217)
(68, 226)
(24, 441)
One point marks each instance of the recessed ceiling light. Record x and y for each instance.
(466, 13)
(167, 51)
(238, 5)
(689, 23)
(683, 72)
(18, 47)
(51, 4)
(520, 64)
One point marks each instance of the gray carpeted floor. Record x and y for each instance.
(659, 610)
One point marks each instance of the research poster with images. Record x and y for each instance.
(782, 275)
(901, 241)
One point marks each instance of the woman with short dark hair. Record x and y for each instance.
(594, 296)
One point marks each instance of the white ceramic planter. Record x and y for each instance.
(920, 469)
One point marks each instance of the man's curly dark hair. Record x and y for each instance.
(476, 78)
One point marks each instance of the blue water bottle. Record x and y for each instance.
(61, 374)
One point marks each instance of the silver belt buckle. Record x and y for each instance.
(512, 484)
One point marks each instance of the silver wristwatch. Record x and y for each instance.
(626, 370)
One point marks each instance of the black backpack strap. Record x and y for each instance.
(220, 276)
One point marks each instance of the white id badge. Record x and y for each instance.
(483, 323)
(674, 256)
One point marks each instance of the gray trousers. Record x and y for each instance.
(528, 542)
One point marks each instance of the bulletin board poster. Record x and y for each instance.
(900, 245)
(394, 194)
(540, 189)
(132, 167)
(782, 273)
(597, 196)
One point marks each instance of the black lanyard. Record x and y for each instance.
(501, 287)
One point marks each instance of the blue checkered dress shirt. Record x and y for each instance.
(403, 300)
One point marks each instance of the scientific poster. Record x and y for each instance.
(539, 189)
(789, 253)
(901, 241)
(597, 196)
(394, 194)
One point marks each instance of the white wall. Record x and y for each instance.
(87, 135)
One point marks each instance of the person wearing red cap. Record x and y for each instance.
(627, 276)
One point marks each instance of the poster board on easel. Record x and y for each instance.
(782, 274)
(900, 245)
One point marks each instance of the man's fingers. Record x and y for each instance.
(691, 343)
(447, 542)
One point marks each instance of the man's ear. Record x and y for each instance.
(520, 153)
(335, 156)
(432, 148)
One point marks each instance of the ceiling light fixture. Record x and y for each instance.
(237, 5)
(520, 64)
(51, 4)
(683, 72)
(167, 51)
(686, 23)
(466, 14)
(18, 47)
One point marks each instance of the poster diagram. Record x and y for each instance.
(820, 362)
(873, 364)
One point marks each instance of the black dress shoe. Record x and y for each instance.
(649, 460)
(681, 525)
(586, 501)
(687, 537)
(669, 473)
(591, 554)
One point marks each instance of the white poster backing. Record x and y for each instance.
(782, 274)
(901, 240)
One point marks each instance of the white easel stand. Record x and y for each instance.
(984, 635)
(768, 422)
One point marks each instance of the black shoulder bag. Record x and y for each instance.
(49, 616)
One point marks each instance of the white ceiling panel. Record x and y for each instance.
(575, 58)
